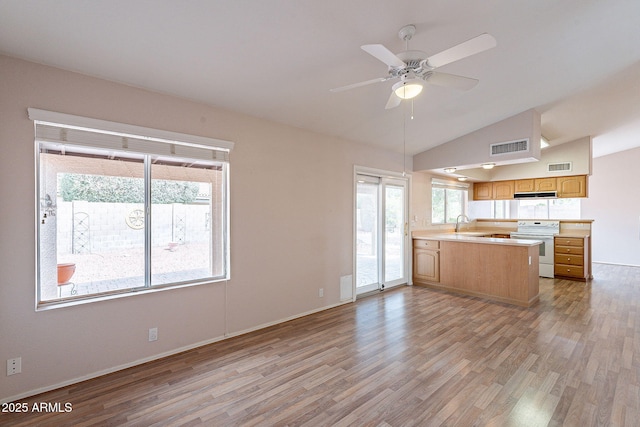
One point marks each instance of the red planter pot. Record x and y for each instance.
(65, 272)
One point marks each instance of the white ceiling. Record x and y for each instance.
(576, 61)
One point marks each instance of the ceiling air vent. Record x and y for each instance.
(559, 167)
(509, 147)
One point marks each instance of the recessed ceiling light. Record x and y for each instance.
(462, 178)
(488, 165)
(449, 170)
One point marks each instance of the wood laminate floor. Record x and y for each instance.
(405, 357)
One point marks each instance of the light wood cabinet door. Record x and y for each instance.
(482, 191)
(524, 185)
(545, 184)
(572, 186)
(426, 265)
(503, 190)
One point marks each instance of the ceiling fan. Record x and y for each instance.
(413, 68)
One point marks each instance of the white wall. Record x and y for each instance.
(474, 148)
(614, 204)
(291, 231)
(577, 152)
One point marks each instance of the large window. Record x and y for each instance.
(120, 213)
(549, 209)
(448, 201)
(561, 208)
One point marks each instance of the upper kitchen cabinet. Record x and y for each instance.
(503, 190)
(498, 190)
(537, 184)
(566, 186)
(545, 184)
(572, 186)
(525, 185)
(483, 191)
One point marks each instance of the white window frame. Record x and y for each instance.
(450, 186)
(62, 129)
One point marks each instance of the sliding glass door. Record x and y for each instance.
(381, 232)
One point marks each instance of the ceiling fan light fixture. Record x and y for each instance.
(408, 89)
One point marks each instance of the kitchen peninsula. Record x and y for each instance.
(504, 270)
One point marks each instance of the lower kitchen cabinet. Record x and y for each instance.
(426, 261)
(571, 258)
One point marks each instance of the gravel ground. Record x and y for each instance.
(100, 272)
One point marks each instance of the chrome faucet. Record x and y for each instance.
(463, 216)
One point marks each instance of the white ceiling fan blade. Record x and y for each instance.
(355, 85)
(393, 101)
(470, 47)
(451, 80)
(383, 54)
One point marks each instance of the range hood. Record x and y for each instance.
(536, 195)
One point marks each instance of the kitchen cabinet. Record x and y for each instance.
(572, 186)
(566, 186)
(571, 258)
(497, 190)
(426, 260)
(483, 191)
(545, 184)
(503, 190)
(524, 185)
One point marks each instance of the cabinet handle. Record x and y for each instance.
(568, 259)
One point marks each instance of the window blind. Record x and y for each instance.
(62, 129)
(453, 185)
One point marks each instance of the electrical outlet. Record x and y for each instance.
(153, 334)
(321, 292)
(14, 366)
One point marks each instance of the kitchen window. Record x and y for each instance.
(561, 208)
(568, 208)
(448, 201)
(126, 211)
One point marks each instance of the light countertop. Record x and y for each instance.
(475, 237)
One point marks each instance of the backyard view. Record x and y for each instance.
(370, 225)
(94, 225)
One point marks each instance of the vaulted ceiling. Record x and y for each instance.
(576, 61)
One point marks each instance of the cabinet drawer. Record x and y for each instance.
(569, 241)
(426, 244)
(570, 250)
(569, 259)
(569, 271)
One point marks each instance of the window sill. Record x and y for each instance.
(75, 301)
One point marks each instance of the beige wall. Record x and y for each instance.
(473, 148)
(291, 231)
(577, 152)
(614, 205)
